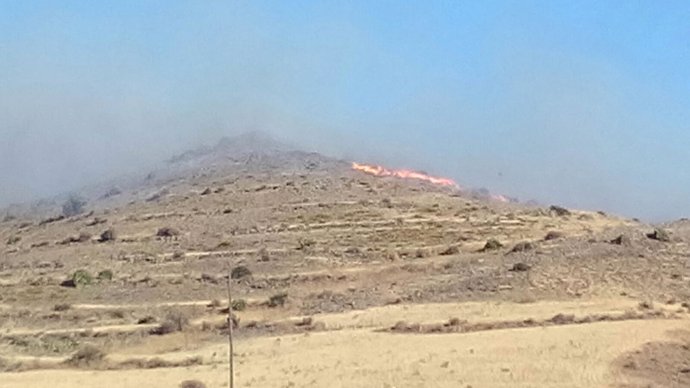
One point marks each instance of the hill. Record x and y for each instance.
(339, 278)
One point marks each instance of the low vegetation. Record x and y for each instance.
(278, 300)
(240, 272)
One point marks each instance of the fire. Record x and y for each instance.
(406, 174)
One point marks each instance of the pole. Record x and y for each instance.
(231, 374)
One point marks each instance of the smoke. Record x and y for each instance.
(479, 94)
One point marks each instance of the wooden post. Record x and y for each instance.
(231, 374)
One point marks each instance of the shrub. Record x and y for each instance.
(659, 235)
(239, 305)
(304, 244)
(174, 321)
(167, 232)
(278, 300)
(553, 235)
(87, 356)
(73, 206)
(108, 235)
(520, 267)
(62, 307)
(492, 245)
(146, 320)
(13, 240)
(240, 272)
(621, 240)
(559, 211)
(523, 246)
(81, 278)
(192, 384)
(263, 255)
(451, 250)
(105, 275)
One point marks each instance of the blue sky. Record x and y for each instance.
(581, 103)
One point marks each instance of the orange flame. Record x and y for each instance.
(406, 174)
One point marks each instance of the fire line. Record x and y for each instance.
(381, 171)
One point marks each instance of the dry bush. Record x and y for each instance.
(223, 245)
(62, 307)
(304, 244)
(263, 255)
(153, 363)
(621, 240)
(421, 253)
(87, 356)
(520, 267)
(451, 250)
(146, 320)
(240, 272)
(192, 384)
(559, 211)
(215, 303)
(278, 300)
(522, 246)
(108, 235)
(492, 245)
(167, 232)
(553, 235)
(10, 366)
(392, 255)
(174, 321)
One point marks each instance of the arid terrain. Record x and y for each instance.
(338, 278)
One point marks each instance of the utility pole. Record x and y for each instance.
(231, 374)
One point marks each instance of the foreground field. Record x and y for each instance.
(577, 355)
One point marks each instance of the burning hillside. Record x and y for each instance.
(405, 174)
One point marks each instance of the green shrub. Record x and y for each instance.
(105, 275)
(81, 278)
(239, 305)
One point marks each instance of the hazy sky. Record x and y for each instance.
(585, 104)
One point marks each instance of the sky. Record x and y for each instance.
(584, 104)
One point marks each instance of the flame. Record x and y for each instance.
(406, 174)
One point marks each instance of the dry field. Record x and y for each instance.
(339, 279)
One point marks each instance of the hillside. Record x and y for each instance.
(340, 278)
